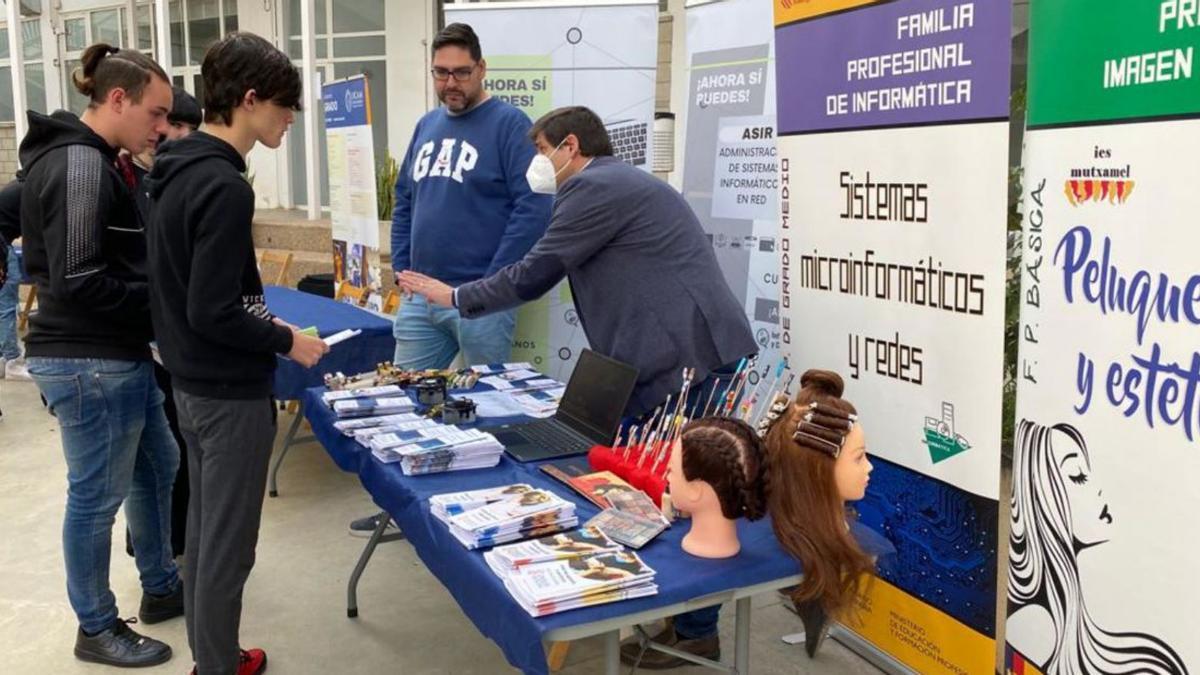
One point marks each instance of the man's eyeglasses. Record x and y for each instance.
(460, 74)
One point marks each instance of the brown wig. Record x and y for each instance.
(105, 68)
(729, 456)
(807, 513)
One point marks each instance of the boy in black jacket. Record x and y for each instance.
(88, 347)
(215, 334)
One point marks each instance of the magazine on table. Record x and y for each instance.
(496, 368)
(637, 503)
(453, 503)
(363, 436)
(446, 437)
(450, 462)
(627, 528)
(387, 390)
(551, 607)
(563, 546)
(536, 526)
(512, 510)
(561, 580)
(370, 407)
(347, 427)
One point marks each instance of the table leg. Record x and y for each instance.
(377, 537)
(612, 653)
(557, 656)
(741, 642)
(287, 444)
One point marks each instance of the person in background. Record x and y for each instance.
(184, 118)
(463, 211)
(216, 335)
(88, 347)
(12, 365)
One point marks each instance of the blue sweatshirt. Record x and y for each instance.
(463, 207)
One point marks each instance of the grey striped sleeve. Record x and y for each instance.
(85, 171)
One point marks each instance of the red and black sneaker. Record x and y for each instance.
(254, 661)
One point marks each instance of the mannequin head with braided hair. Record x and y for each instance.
(817, 452)
(715, 475)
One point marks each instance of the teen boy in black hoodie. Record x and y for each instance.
(215, 334)
(88, 346)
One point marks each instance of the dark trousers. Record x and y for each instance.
(229, 447)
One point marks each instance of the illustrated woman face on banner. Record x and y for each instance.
(1091, 518)
(1058, 513)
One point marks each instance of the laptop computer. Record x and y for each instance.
(588, 414)
(628, 139)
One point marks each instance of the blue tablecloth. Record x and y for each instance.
(353, 356)
(481, 595)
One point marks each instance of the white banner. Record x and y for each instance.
(542, 56)
(730, 168)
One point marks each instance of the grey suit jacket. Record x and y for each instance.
(644, 278)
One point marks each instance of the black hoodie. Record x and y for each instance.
(84, 245)
(214, 332)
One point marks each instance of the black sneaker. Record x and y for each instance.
(121, 646)
(159, 608)
(365, 527)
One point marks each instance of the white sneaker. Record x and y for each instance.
(15, 369)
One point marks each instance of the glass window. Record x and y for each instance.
(231, 20)
(202, 34)
(296, 48)
(6, 102)
(178, 57)
(178, 81)
(106, 27)
(321, 23)
(145, 28)
(76, 34)
(31, 39)
(35, 87)
(198, 87)
(4, 43)
(76, 102)
(357, 16)
(359, 46)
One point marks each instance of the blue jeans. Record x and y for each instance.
(698, 623)
(428, 336)
(9, 348)
(118, 449)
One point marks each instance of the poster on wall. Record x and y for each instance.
(893, 152)
(1103, 551)
(545, 55)
(352, 201)
(730, 167)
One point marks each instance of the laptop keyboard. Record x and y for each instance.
(555, 437)
(629, 142)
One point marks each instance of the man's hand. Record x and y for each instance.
(433, 290)
(307, 350)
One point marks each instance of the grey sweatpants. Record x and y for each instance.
(229, 447)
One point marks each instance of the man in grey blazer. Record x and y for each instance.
(645, 281)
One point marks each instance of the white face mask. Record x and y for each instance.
(542, 177)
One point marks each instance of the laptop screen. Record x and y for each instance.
(596, 396)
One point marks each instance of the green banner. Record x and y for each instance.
(524, 81)
(1092, 61)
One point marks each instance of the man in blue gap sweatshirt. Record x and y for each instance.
(463, 207)
(463, 211)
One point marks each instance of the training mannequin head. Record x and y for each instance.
(817, 452)
(129, 96)
(716, 475)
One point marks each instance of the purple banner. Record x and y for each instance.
(899, 63)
